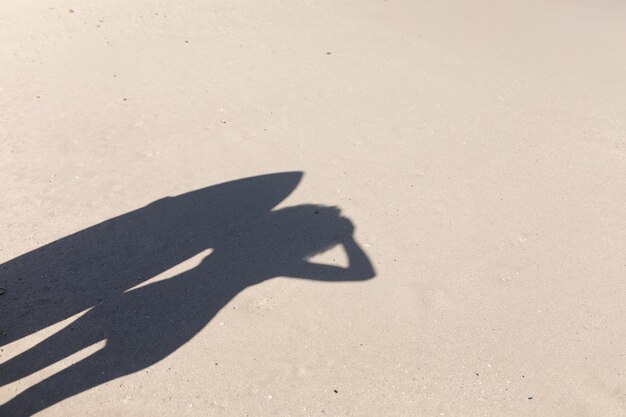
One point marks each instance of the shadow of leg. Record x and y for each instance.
(88, 373)
(60, 345)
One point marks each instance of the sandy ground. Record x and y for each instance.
(478, 149)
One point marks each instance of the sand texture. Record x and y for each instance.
(312, 208)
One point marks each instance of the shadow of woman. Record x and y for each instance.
(142, 325)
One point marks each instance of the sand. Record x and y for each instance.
(475, 264)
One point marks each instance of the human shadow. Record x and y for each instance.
(99, 269)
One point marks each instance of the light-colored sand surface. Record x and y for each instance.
(478, 147)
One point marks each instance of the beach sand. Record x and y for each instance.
(475, 149)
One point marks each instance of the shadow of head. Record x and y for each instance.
(283, 240)
(301, 232)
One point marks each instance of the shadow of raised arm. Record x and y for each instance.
(359, 266)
